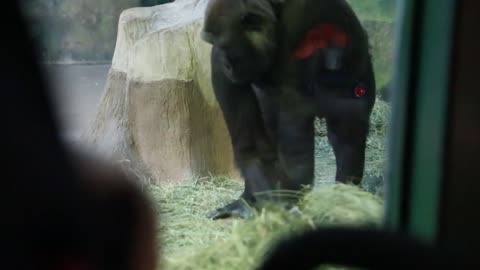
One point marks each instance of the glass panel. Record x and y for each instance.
(133, 85)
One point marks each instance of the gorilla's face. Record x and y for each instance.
(244, 32)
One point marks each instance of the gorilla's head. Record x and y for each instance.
(244, 32)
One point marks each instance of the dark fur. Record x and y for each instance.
(360, 248)
(269, 100)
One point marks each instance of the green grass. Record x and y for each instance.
(379, 10)
(184, 208)
(381, 42)
(190, 241)
(375, 160)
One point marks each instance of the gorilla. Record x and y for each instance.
(276, 65)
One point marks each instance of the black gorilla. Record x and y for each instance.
(276, 64)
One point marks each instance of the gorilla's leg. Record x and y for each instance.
(295, 140)
(254, 151)
(348, 135)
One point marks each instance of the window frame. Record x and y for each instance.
(420, 111)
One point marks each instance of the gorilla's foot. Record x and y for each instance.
(238, 209)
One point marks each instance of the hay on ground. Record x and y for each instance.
(191, 241)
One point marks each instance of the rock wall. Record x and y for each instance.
(75, 31)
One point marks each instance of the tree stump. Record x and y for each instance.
(158, 110)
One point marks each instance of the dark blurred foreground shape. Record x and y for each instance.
(360, 248)
(59, 211)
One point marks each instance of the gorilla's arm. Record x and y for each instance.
(254, 150)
